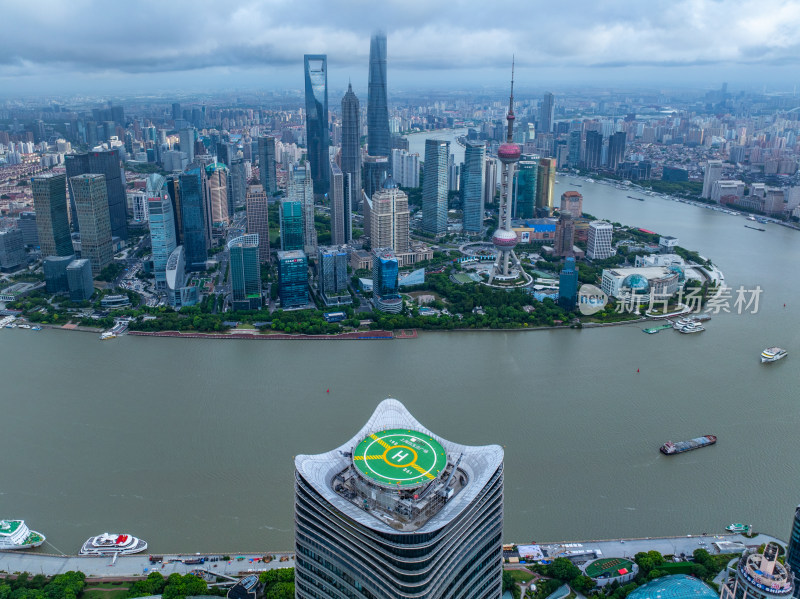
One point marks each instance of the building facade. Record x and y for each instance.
(332, 278)
(572, 203)
(12, 249)
(385, 274)
(55, 273)
(217, 204)
(375, 169)
(405, 168)
(301, 189)
(292, 278)
(337, 205)
(108, 165)
(545, 183)
(381, 525)
(793, 549)
(565, 235)
(179, 293)
(434, 187)
(79, 280)
(94, 222)
(266, 164)
(525, 187)
(472, 186)
(712, 175)
(547, 113)
(317, 137)
(196, 237)
(257, 207)
(162, 227)
(389, 218)
(52, 218)
(291, 219)
(351, 142)
(759, 576)
(568, 285)
(245, 272)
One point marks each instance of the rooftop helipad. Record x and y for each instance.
(399, 458)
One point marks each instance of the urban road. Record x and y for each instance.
(13, 562)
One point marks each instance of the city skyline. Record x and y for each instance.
(661, 42)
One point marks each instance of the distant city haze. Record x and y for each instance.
(145, 46)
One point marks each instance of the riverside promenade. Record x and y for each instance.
(13, 562)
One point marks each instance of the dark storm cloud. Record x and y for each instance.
(86, 37)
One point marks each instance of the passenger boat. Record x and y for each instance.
(14, 534)
(679, 324)
(24, 326)
(738, 527)
(773, 354)
(694, 327)
(670, 448)
(109, 544)
(752, 218)
(107, 335)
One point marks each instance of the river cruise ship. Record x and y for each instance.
(773, 354)
(109, 544)
(14, 534)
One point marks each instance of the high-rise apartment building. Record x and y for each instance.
(258, 219)
(52, 219)
(162, 226)
(266, 164)
(301, 189)
(574, 148)
(434, 187)
(430, 512)
(547, 113)
(616, 150)
(317, 138)
(712, 175)
(245, 272)
(187, 138)
(378, 135)
(572, 203)
(389, 218)
(91, 204)
(108, 165)
(351, 144)
(598, 244)
(472, 186)
(291, 220)
(545, 182)
(292, 278)
(196, 233)
(337, 206)
(405, 168)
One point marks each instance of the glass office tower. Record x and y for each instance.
(434, 187)
(317, 139)
(195, 232)
(378, 136)
(245, 272)
(52, 221)
(472, 186)
(351, 146)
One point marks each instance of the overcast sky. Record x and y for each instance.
(91, 46)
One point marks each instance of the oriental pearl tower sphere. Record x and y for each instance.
(504, 238)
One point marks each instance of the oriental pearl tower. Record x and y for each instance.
(504, 238)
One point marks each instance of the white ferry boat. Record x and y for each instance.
(24, 326)
(107, 335)
(679, 324)
(694, 327)
(773, 354)
(14, 534)
(738, 527)
(110, 543)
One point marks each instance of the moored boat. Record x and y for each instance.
(110, 543)
(670, 448)
(14, 534)
(738, 527)
(773, 354)
(694, 327)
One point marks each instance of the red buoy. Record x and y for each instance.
(328, 391)
(637, 370)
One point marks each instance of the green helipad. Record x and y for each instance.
(399, 458)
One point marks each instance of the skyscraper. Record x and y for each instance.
(91, 204)
(434, 187)
(291, 218)
(316, 72)
(547, 113)
(565, 235)
(490, 180)
(574, 159)
(389, 218)
(52, 221)
(301, 189)
(237, 185)
(376, 169)
(504, 238)
(266, 164)
(217, 197)
(332, 276)
(572, 203)
(616, 150)
(712, 175)
(598, 243)
(292, 278)
(351, 146)
(594, 149)
(378, 136)
(401, 491)
(472, 186)
(525, 187)
(162, 226)
(385, 272)
(545, 182)
(106, 164)
(245, 272)
(196, 238)
(568, 285)
(79, 280)
(258, 219)
(12, 249)
(337, 206)
(187, 139)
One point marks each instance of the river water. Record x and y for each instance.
(190, 443)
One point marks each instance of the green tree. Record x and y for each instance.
(563, 569)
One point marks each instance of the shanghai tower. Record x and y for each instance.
(378, 137)
(317, 139)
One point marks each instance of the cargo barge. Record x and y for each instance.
(670, 448)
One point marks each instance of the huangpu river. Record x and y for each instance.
(189, 443)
